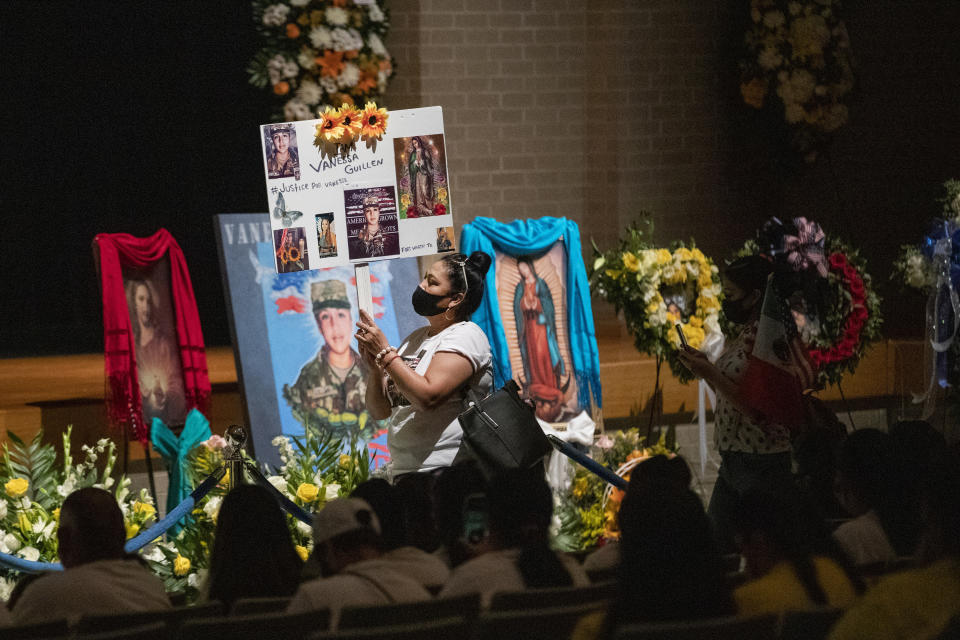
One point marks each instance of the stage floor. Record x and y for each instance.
(50, 393)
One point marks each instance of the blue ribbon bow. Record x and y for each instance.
(174, 451)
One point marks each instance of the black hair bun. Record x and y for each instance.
(480, 262)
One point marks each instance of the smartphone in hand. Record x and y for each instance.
(683, 338)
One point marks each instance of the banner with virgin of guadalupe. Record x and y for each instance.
(537, 313)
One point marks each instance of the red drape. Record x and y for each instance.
(117, 250)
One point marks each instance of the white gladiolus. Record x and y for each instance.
(3, 508)
(212, 508)
(332, 490)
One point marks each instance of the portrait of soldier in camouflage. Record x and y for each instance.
(334, 381)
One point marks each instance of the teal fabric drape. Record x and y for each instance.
(174, 451)
(526, 237)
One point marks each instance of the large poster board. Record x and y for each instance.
(293, 337)
(374, 202)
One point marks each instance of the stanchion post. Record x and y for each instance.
(236, 438)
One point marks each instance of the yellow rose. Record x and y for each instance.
(302, 552)
(653, 306)
(181, 565)
(345, 461)
(132, 529)
(664, 256)
(16, 487)
(630, 261)
(308, 492)
(144, 507)
(56, 514)
(683, 254)
(698, 256)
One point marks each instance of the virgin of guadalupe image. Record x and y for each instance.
(543, 367)
(421, 167)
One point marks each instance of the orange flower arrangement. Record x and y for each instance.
(374, 122)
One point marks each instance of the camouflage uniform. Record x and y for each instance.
(319, 390)
(364, 247)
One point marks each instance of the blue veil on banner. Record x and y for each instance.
(539, 268)
(293, 337)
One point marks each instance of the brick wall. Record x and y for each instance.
(594, 111)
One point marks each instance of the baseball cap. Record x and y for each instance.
(343, 515)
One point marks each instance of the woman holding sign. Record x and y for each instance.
(420, 385)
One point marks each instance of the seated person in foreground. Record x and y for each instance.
(670, 569)
(601, 565)
(98, 576)
(791, 559)
(425, 568)
(918, 603)
(452, 489)
(864, 487)
(347, 546)
(253, 555)
(520, 507)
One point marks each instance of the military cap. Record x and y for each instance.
(329, 293)
(280, 128)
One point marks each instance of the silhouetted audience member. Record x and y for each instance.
(415, 492)
(863, 487)
(425, 568)
(520, 507)
(453, 486)
(917, 447)
(348, 547)
(253, 555)
(918, 603)
(670, 568)
(791, 560)
(99, 577)
(658, 470)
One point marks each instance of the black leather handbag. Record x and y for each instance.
(501, 430)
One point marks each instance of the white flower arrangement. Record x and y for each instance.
(336, 52)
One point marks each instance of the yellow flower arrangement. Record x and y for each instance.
(132, 529)
(16, 487)
(144, 508)
(302, 552)
(658, 288)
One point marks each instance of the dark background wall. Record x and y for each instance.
(129, 117)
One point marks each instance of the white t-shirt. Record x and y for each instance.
(368, 582)
(428, 440)
(864, 541)
(496, 571)
(96, 588)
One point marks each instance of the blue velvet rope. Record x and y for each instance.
(15, 563)
(286, 503)
(589, 463)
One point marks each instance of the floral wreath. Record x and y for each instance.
(657, 289)
(321, 52)
(798, 56)
(849, 319)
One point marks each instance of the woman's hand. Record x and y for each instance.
(697, 362)
(370, 359)
(369, 336)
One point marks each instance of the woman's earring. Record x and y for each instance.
(445, 314)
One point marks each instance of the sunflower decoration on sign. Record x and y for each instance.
(320, 53)
(657, 289)
(828, 290)
(339, 130)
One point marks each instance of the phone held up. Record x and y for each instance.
(683, 338)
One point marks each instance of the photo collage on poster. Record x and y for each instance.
(378, 200)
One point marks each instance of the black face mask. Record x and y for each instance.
(425, 304)
(736, 312)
